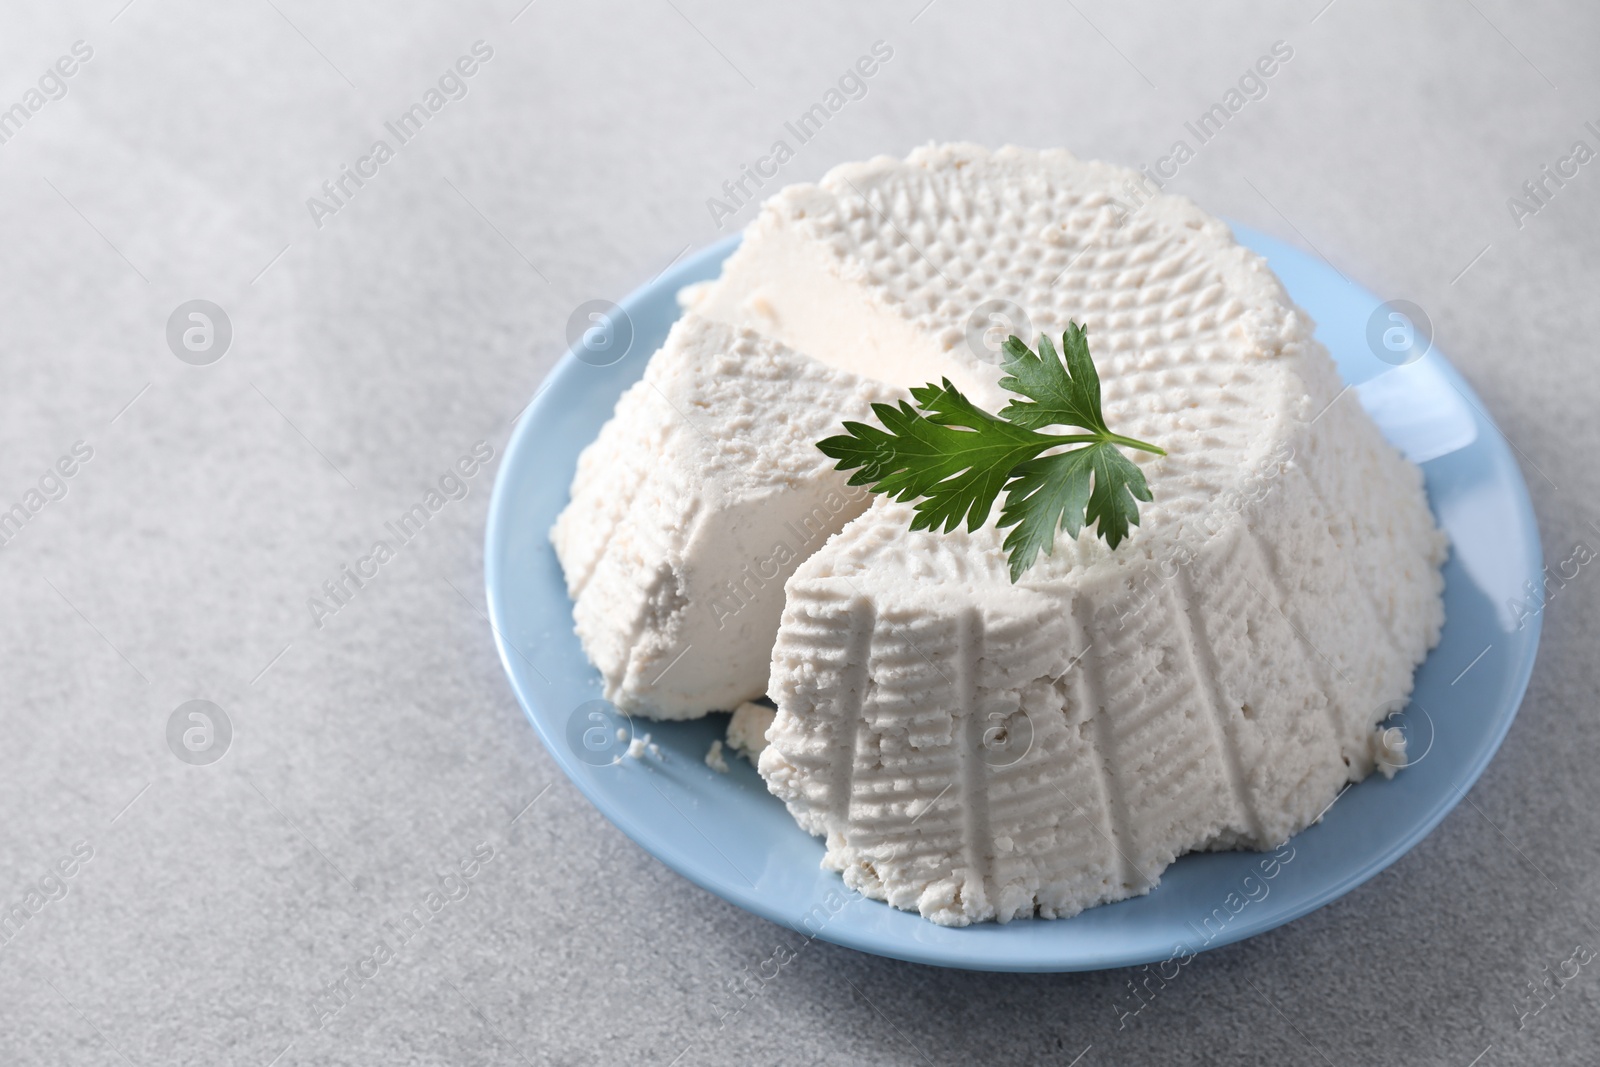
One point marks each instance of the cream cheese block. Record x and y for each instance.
(973, 749)
(694, 505)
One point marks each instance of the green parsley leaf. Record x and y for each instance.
(1055, 491)
(1057, 395)
(955, 459)
(954, 456)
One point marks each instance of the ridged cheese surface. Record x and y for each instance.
(975, 750)
(694, 505)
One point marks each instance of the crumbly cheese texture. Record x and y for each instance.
(973, 749)
(747, 729)
(694, 505)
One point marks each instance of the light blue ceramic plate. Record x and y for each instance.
(727, 834)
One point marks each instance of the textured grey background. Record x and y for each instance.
(377, 751)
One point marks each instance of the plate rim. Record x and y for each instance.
(495, 532)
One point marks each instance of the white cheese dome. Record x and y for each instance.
(975, 750)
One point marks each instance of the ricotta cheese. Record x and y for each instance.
(747, 730)
(976, 750)
(1389, 750)
(694, 505)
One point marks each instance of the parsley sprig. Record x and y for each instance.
(955, 459)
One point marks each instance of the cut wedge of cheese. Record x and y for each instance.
(694, 505)
(977, 750)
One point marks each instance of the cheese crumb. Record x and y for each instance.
(714, 758)
(747, 730)
(636, 747)
(1389, 749)
(691, 295)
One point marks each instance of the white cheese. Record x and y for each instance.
(692, 508)
(747, 729)
(714, 758)
(1389, 749)
(972, 749)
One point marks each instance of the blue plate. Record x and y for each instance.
(727, 834)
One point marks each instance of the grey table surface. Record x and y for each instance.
(377, 339)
